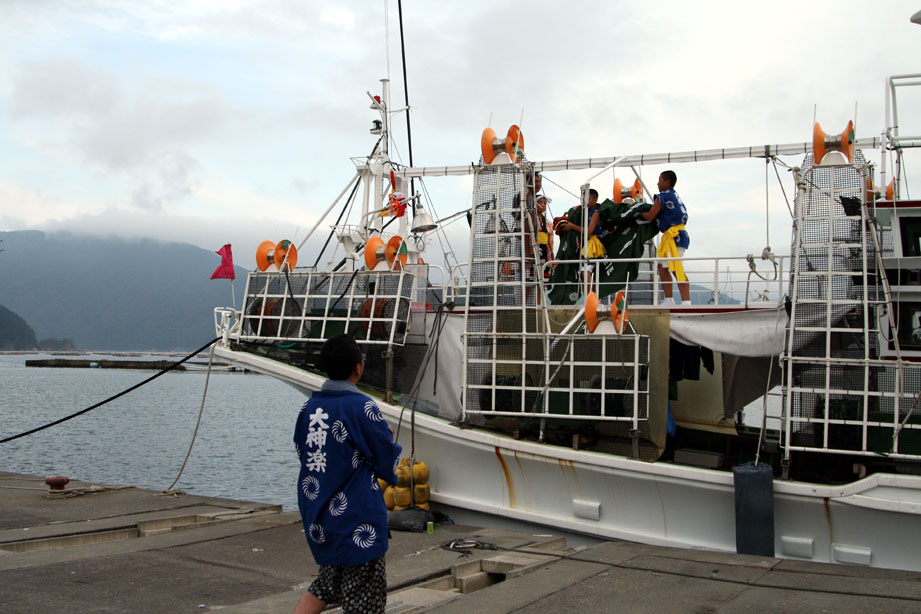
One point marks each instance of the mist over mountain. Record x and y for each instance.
(113, 294)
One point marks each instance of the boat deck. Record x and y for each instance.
(130, 549)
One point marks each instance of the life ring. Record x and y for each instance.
(378, 330)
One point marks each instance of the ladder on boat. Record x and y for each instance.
(839, 397)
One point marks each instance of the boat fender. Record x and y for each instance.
(388, 497)
(421, 493)
(403, 496)
(754, 500)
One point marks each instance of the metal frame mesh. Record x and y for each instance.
(372, 306)
(838, 397)
(513, 366)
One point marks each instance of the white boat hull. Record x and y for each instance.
(875, 521)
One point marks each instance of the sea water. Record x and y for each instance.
(243, 449)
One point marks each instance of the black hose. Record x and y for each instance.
(112, 398)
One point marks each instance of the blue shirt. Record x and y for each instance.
(343, 445)
(672, 213)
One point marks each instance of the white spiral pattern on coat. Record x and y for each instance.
(339, 431)
(311, 487)
(357, 458)
(297, 449)
(372, 412)
(338, 504)
(374, 484)
(316, 534)
(364, 536)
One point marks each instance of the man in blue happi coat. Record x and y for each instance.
(344, 445)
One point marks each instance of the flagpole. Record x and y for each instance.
(233, 297)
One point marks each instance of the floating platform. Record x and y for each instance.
(109, 363)
(119, 549)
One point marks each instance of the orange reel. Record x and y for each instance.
(619, 311)
(591, 311)
(512, 144)
(285, 249)
(265, 255)
(620, 192)
(373, 252)
(395, 252)
(822, 143)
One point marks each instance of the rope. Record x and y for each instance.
(169, 489)
(113, 397)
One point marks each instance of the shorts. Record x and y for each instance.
(361, 589)
(664, 263)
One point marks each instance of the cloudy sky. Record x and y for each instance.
(211, 121)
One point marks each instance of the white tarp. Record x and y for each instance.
(756, 332)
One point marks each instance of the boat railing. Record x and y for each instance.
(727, 281)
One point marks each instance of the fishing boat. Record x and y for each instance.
(539, 394)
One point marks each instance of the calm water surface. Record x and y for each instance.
(243, 449)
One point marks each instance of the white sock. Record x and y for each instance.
(686, 302)
(668, 301)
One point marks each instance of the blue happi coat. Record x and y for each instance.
(673, 213)
(343, 445)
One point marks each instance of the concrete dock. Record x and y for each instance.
(124, 549)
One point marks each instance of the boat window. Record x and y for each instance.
(910, 325)
(911, 236)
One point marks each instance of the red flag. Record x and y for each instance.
(225, 270)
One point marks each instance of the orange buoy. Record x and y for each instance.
(285, 249)
(371, 255)
(890, 190)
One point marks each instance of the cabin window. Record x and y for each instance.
(909, 325)
(911, 236)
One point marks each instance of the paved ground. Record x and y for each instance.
(133, 550)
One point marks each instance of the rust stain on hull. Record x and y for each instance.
(508, 479)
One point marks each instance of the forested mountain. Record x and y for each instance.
(15, 333)
(111, 293)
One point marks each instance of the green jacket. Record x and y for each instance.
(623, 237)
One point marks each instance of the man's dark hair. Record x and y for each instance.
(670, 177)
(339, 356)
(593, 192)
